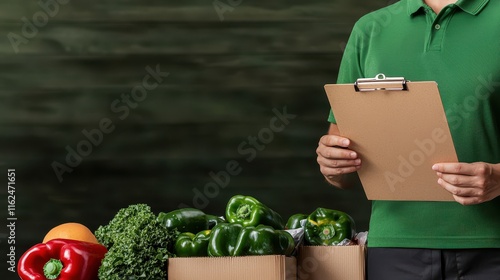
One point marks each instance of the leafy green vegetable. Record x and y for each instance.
(138, 245)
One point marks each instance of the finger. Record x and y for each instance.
(334, 140)
(336, 153)
(338, 163)
(458, 180)
(332, 172)
(468, 200)
(458, 190)
(455, 168)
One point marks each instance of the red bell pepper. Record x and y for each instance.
(61, 259)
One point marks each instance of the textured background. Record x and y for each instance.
(65, 67)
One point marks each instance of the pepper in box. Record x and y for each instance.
(236, 240)
(328, 227)
(294, 221)
(188, 220)
(248, 211)
(192, 245)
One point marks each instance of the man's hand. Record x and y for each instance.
(470, 183)
(335, 158)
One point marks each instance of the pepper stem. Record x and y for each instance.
(327, 232)
(243, 211)
(52, 268)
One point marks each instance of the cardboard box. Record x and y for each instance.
(272, 267)
(331, 262)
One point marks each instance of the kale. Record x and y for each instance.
(138, 245)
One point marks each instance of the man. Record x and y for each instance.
(457, 44)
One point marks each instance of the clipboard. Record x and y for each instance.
(399, 130)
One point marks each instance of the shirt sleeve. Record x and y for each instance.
(350, 66)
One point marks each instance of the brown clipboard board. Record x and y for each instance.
(399, 129)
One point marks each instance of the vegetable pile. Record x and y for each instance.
(249, 228)
(136, 243)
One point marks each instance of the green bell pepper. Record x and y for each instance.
(294, 221)
(237, 240)
(192, 245)
(188, 220)
(248, 211)
(328, 227)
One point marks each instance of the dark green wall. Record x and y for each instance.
(227, 78)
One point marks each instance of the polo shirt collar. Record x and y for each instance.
(472, 7)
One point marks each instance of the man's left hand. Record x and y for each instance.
(470, 183)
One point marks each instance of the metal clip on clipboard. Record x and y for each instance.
(380, 82)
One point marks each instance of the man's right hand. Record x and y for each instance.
(335, 158)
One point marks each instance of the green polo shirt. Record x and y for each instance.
(460, 49)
